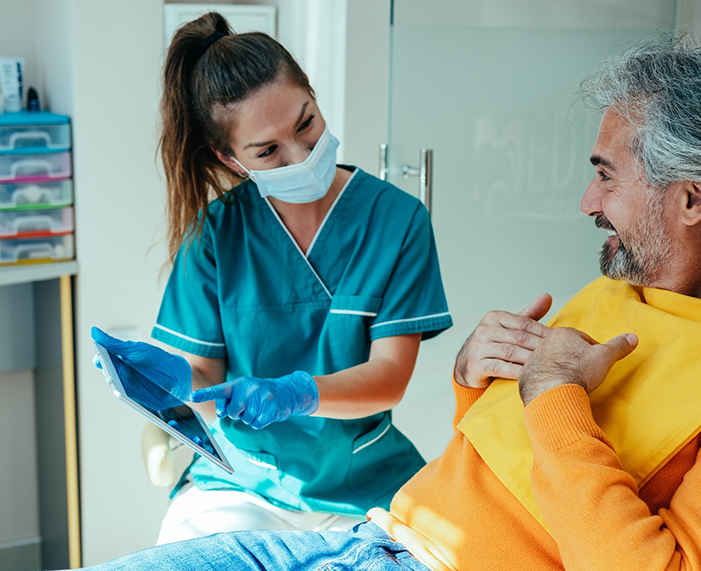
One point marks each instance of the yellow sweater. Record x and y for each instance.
(457, 514)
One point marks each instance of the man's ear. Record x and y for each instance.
(691, 213)
(230, 163)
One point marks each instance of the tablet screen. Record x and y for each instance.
(159, 406)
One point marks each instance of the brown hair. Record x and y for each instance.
(201, 81)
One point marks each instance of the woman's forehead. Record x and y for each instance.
(268, 112)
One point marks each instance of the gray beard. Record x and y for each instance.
(649, 248)
(623, 266)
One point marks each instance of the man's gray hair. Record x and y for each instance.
(656, 85)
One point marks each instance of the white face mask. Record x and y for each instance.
(304, 182)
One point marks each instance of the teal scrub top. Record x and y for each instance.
(245, 292)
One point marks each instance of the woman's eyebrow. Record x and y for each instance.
(299, 120)
(301, 114)
(265, 144)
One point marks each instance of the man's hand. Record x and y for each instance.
(501, 344)
(570, 356)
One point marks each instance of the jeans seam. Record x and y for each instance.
(354, 551)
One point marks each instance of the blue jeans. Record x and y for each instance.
(365, 547)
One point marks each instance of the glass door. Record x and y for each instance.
(488, 87)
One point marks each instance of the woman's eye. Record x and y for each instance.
(306, 124)
(267, 152)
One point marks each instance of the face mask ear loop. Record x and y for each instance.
(244, 168)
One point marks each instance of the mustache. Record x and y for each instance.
(602, 222)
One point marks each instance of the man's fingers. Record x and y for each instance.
(517, 337)
(588, 338)
(539, 307)
(622, 346)
(508, 352)
(521, 323)
(499, 369)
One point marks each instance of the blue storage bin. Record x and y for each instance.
(34, 223)
(36, 250)
(34, 132)
(36, 195)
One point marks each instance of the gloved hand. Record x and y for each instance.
(175, 425)
(170, 372)
(259, 402)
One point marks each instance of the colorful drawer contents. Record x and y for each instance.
(36, 190)
(36, 250)
(34, 132)
(35, 168)
(33, 223)
(36, 195)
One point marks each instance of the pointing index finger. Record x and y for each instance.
(215, 392)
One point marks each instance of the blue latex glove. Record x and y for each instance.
(259, 402)
(174, 424)
(170, 372)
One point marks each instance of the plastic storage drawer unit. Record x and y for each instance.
(36, 250)
(36, 195)
(35, 168)
(34, 132)
(29, 223)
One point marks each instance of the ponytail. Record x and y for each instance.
(208, 69)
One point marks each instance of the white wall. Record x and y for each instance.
(117, 51)
(16, 19)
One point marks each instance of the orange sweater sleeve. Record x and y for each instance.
(465, 397)
(592, 506)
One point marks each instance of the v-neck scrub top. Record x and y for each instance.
(245, 292)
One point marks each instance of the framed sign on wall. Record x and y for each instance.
(241, 18)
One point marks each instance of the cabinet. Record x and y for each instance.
(36, 277)
(44, 344)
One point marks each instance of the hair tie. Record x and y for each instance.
(209, 40)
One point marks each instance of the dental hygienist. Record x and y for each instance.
(299, 298)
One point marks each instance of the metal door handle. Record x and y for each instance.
(384, 168)
(425, 174)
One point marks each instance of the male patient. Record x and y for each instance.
(599, 471)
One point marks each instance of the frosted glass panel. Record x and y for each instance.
(486, 84)
(510, 164)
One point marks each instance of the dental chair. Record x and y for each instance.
(157, 450)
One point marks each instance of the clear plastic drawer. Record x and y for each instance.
(36, 195)
(35, 168)
(29, 223)
(36, 250)
(22, 139)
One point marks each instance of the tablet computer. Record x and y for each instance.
(160, 407)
